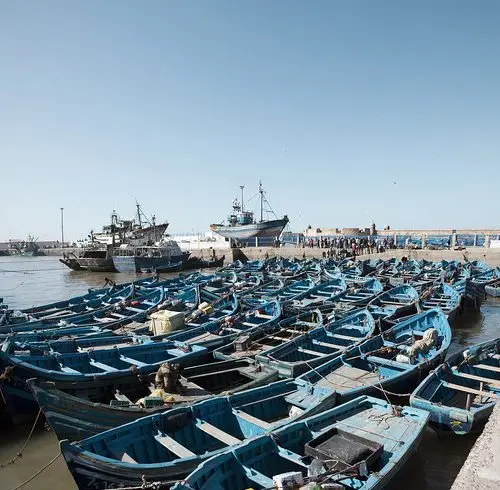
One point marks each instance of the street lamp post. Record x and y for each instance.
(62, 227)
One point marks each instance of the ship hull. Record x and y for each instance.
(271, 228)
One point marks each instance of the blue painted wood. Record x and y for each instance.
(254, 463)
(376, 365)
(169, 445)
(461, 393)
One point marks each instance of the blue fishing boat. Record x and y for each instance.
(91, 370)
(215, 334)
(392, 361)
(263, 290)
(402, 300)
(493, 289)
(488, 277)
(272, 334)
(75, 413)
(461, 393)
(360, 294)
(57, 333)
(344, 447)
(292, 290)
(217, 310)
(318, 346)
(167, 446)
(74, 312)
(319, 294)
(441, 296)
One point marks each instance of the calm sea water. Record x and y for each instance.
(28, 281)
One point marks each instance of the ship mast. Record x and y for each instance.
(242, 187)
(138, 213)
(261, 191)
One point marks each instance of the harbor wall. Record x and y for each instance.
(481, 470)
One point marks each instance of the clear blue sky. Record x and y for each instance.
(178, 103)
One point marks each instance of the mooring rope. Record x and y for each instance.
(41, 470)
(20, 453)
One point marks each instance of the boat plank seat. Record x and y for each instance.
(132, 361)
(104, 367)
(217, 433)
(134, 309)
(329, 345)
(174, 447)
(345, 337)
(123, 398)
(248, 324)
(269, 398)
(253, 420)
(466, 389)
(346, 377)
(495, 369)
(66, 369)
(121, 455)
(493, 382)
(117, 315)
(267, 317)
(104, 319)
(311, 352)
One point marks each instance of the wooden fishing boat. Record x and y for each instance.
(54, 317)
(489, 277)
(393, 361)
(319, 345)
(319, 294)
(264, 290)
(284, 268)
(461, 393)
(75, 412)
(167, 446)
(57, 333)
(361, 293)
(441, 296)
(344, 447)
(217, 311)
(493, 289)
(402, 300)
(91, 370)
(256, 341)
(292, 291)
(215, 334)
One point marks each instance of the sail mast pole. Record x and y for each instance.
(242, 187)
(261, 200)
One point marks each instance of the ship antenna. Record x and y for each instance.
(242, 187)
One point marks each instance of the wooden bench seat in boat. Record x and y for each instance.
(217, 433)
(121, 455)
(345, 337)
(104, 367)
(388, 362)
(253, 420)
(493, 382)
(135, 310)
(267, 317)
(472, 391)
(329, 345)
(311, 352)
(248, 324)
(495, 369)
(173, 446)
(132, 361)
(118, 315)
(66, 369)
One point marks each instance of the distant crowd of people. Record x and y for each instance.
(357, 246)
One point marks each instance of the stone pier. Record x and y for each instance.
(481, 470)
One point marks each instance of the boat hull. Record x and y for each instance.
(271, 228)
(137, 264)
